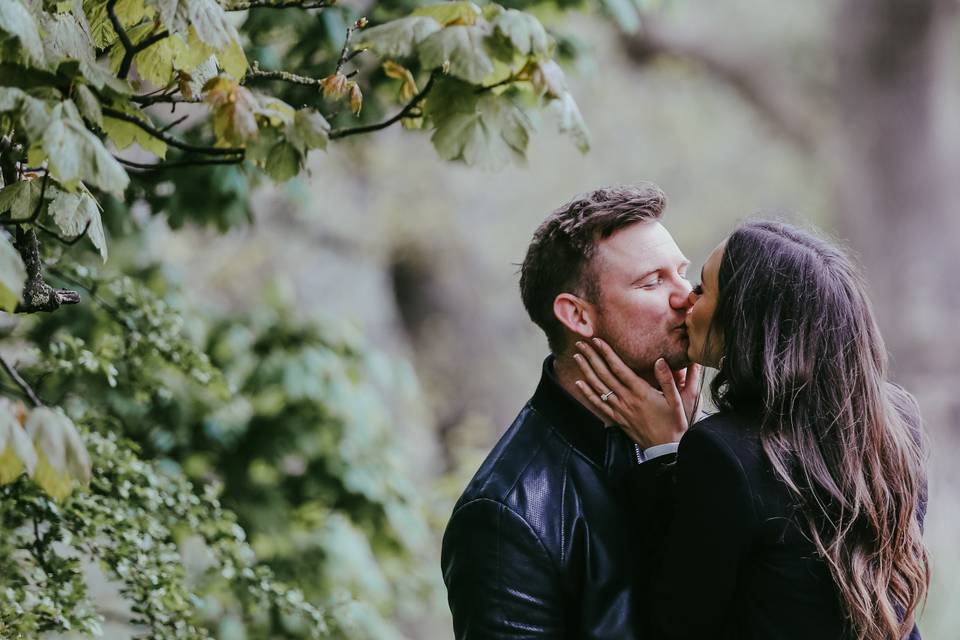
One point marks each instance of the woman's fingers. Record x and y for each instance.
(604, 408)
(691, 389)
(668, 385)
(619, 368)
(608, 380)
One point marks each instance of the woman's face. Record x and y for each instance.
(703, 302)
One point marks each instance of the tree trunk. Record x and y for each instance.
(895, 184)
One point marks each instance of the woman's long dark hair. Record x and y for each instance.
(800, 341)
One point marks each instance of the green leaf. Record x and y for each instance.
(571, 122)
(493, 133)
(283, 162)
(129, 12)
(309, 130)
(524, 31)
(450, 13)
(398, 38)
(20, 198)
(30, 113)
(13, 274)
(123, 133)
(62, 458)
(463, 48)
(88, 104)
(67, 38)
(17, 22)
(16, 451)
(75, 154)
(207, 17)
(73, 212)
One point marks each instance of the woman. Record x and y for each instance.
(797, 508)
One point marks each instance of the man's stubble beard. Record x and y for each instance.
(640, 350)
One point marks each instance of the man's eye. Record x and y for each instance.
(698, 289)
(652, 283)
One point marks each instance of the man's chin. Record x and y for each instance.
(678, 360)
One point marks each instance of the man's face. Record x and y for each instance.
(644, 295)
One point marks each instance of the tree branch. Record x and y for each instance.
(285, 4)
(405, 112)
(129, 48)
(37, 294)
(161, 166)
(173, 142)
(754, 83)
(18, 379)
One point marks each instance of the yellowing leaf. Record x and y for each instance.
(408, 88)
(233, 60)
(463, 48)
(450, 13)
(16, 450)
(123, 133)
(356, 98)
(335, 86)
(234, 111)
(397, 38)
(62, 458)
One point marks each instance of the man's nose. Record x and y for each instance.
(682, 297)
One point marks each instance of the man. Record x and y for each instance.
(543, 543)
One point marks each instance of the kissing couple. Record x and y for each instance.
(613, 507)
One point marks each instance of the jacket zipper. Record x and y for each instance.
(636, 448)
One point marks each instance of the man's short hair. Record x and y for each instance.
(561, 256)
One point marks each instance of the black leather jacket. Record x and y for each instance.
(543, 543)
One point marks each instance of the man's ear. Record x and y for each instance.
(576, 314)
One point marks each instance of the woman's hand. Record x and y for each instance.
(650, 417)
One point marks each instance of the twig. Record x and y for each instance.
(345, 54)
(160, 166)
(67, 241)
(405, 112)
(18, 379)
(174, 123)
(256, 73)
(286, 4)
(173, 142)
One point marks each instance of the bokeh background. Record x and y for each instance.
(838, 114)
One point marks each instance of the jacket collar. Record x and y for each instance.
(575, 423)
